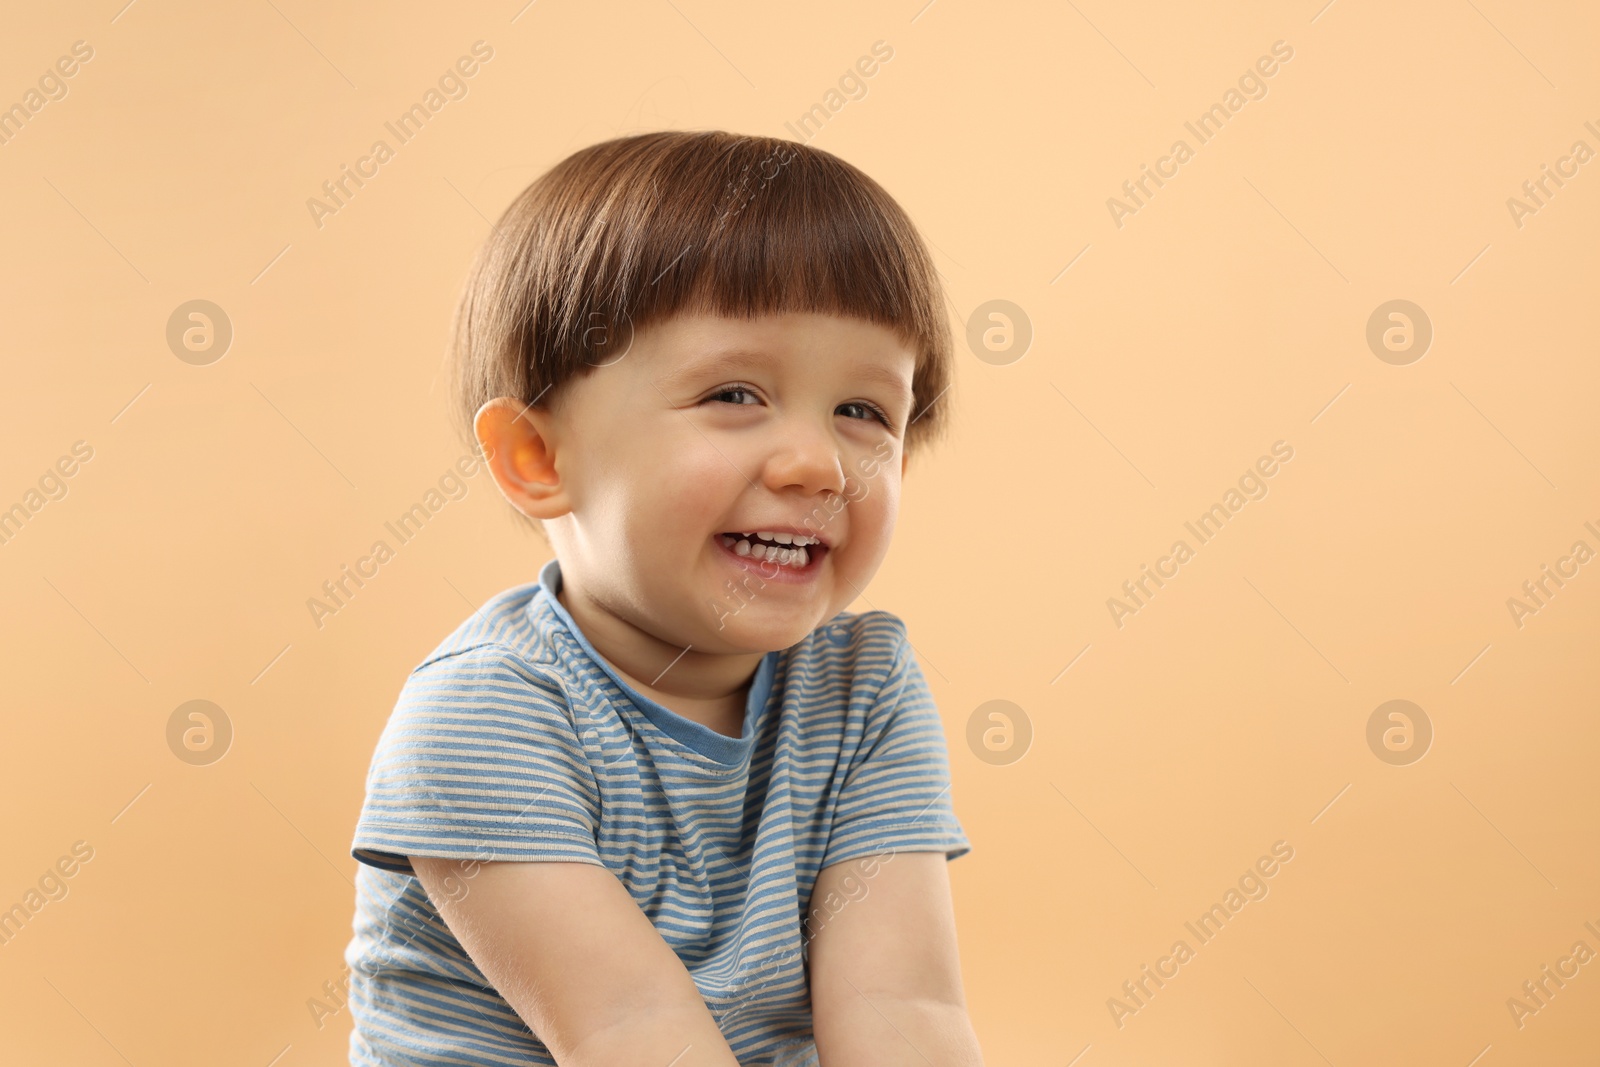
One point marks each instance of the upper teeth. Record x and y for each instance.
(796, 556)
(786, 539)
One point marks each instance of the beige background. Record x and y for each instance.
(1228, 313)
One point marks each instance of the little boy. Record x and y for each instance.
(671, 804)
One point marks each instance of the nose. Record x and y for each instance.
(806, 457)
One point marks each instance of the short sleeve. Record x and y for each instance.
(896, 791)
(480, 759)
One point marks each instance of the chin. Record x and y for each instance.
(764, 635)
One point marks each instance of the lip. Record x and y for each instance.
(774, 572)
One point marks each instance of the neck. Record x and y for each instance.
(707, 688)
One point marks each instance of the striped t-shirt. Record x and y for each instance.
(515, 740)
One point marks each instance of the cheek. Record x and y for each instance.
(875, 507)
(686, 488)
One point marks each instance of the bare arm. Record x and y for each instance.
(573, 955)
(885, 976)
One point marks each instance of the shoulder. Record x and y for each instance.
(868, 654)
(501, 666)
(482, 716)
(859, 635)
(513, 639)
(508, 626)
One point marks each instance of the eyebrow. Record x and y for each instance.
(735, 359)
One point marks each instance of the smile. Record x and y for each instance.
(782, 554)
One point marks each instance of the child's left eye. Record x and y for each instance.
(871, 411)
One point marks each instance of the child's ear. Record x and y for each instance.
(519, 446)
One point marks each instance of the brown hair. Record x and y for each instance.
(637, 229)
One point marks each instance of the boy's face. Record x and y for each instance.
(709, 430)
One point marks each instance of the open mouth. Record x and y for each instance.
(793, 552)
